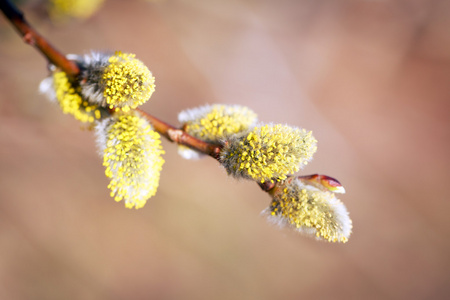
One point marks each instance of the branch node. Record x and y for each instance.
(29, 39)
(267, 186)
(175, 135)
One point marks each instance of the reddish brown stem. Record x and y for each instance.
(181, 137)
(33, 38)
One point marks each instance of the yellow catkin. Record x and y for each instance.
(132, 157)
(268, 153)
(215, 122)
(70, 100)
(311, 210)
(62, 9)
(128, 82)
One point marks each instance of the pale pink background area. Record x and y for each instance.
(371, 79)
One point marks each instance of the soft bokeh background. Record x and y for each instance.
(370, 78)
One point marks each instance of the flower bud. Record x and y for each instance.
(61, 10)
(323, 182)
(310, 211)
(118, 81)
(268, 152)
(213, 123)
(59, 89)
(132, 156)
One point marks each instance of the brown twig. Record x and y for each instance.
(179, 136)
(33, 38)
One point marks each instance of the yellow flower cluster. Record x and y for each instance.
(311, 211)
(132, 157)
(131, 148)
(211, 123)
(268, 152)
(62, 9)
(128, 82)
(70, 100)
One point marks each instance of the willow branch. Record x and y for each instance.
(33, 38)
(55, 57)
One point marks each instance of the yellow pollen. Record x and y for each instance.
(70, 101)
(269, 152)
(128, 81)
(133, 160)
(218, 121)
(308, 208)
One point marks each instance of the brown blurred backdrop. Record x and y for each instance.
(370, 78)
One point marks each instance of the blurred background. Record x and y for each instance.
(371, 79)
